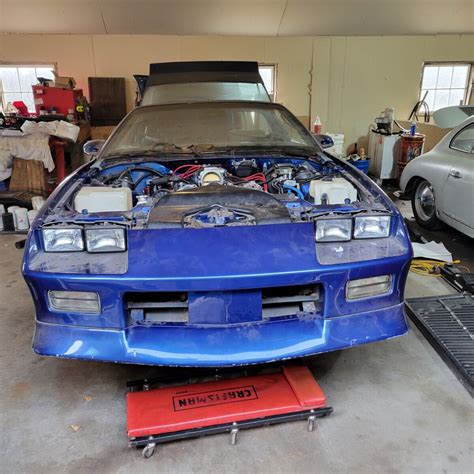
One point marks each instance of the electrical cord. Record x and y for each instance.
(430, 268)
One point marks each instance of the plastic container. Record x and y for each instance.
(362, 165)
(317, 126)
(335, 191)
(338, 147)
(32, 216)
(11, 210)
(102, 199)
(37, 202)
(8, 222)
(21, 214)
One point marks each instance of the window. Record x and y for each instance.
(464, 140)
(446, 83)
(267, 71)
(16, 82)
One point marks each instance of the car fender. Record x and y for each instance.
(432, 167)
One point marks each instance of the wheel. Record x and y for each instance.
(423, 204)
(148, 450)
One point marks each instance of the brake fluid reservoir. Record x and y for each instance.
(103, 199)
(335, 191)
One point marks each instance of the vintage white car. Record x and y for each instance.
(440, 183)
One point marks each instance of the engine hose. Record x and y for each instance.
(295, 190)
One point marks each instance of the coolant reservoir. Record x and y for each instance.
(102, 199)
(335, 191)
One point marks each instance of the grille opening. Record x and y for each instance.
(285, 301)
(166, 307)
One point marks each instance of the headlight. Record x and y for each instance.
(333, 230)
(74, 301)
(371, 227)
(105, 240)
(63, 240)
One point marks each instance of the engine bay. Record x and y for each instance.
(216, 192)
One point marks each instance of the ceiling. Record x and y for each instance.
(238, 17)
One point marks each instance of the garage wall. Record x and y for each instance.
(360, 76)
(347, 81)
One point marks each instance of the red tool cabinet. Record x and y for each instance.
(62, 100)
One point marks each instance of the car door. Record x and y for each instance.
(458, 199)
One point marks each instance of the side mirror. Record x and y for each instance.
(324, 141)
(91, 148)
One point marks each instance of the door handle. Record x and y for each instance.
(455, 174)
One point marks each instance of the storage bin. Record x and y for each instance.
(362, 165)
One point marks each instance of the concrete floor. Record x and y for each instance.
(398, 408)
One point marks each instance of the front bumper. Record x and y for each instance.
(224, 272)
(220, 346)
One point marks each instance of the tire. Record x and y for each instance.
(423, 203)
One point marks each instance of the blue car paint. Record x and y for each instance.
(224, 268)
(220, 346)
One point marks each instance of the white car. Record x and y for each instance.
(441, 182)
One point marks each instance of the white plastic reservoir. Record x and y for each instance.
(335, 191)
(102, 199)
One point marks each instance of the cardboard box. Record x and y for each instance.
(64, 82)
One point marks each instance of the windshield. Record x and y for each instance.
(203, 92)
(215, 125)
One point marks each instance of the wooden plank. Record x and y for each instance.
(28, 175)
(18, 180)
(37, 182)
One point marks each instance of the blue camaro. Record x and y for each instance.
(215, 233)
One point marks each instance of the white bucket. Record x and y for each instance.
(37, 202)
(12, 210)
(2, 210)
(21, 214)
(32, 216)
